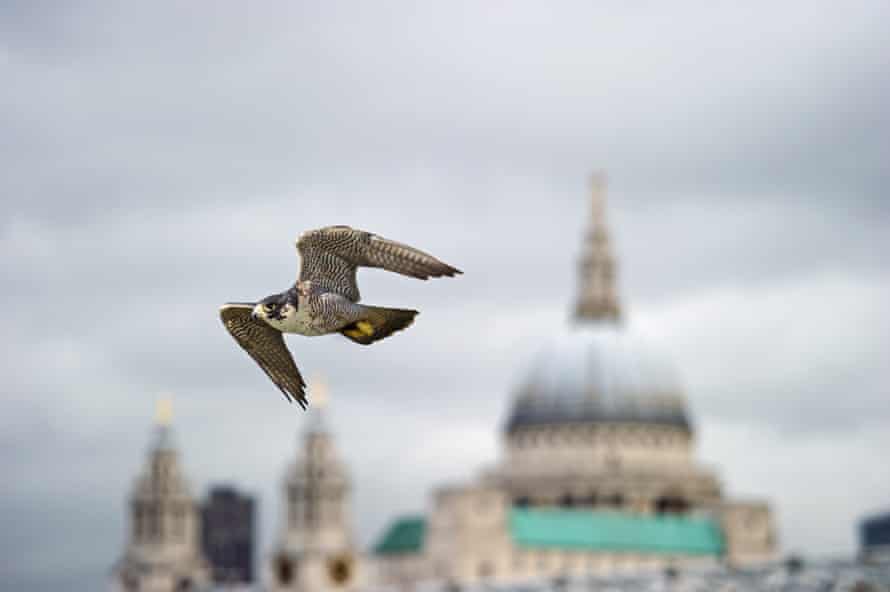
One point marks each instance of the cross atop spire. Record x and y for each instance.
(164, 411)
(163, 439)
(597, 294)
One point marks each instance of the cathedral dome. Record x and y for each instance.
(598, 372)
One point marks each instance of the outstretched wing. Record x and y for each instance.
(266, 346)
(331, 255)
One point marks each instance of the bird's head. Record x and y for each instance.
(274, 310)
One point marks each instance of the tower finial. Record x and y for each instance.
(597, 296)
(164, 411)
(318, 391)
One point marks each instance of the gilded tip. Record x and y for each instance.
(164, 411)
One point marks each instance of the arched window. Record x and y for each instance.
(518, 563)
(163, 516)
(485, 570)
(179, 522)
(340, 569)
(131, 582)
(136, 513)
(284, 570)
(671, 504)
(309, 509)
(153, 518)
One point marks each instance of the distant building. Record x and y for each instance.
(874, 538)
(597, 474)
(227, 535)
(597, 477)
(163, 552)
(315, 551)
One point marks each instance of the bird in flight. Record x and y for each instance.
(325, 299)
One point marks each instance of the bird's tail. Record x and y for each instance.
(380, 322)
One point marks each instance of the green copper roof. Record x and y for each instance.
(614, 531)
(405, 535)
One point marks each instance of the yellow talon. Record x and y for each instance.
(365, 328)
(354, 333)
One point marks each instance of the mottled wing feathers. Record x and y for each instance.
(332, 254)
(266, 346)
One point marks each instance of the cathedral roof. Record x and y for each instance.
(615, 531)
(405, 535)
(559, 528)
(596, 370)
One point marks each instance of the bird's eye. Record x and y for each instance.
(268, 306)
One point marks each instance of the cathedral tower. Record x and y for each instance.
(316, 551)
(163, 552)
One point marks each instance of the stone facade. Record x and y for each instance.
(598, 435)
(315, 552)
(468, 538)
(749, 530)
(163, 553)
(598, 427)
(638, 467)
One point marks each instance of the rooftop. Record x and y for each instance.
(405, 535)
(582, 530)
(615, 531)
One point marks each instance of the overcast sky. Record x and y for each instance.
(159, 159)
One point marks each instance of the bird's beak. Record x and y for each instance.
(254, 315)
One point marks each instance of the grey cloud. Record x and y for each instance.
(541, 104)
(161, 158)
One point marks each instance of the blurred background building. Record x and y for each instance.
(227, 535)
(597, 476)
(315, 549)
(597, 472)
(874, 538)
(163, 552)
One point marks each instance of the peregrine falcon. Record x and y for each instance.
(324, 300)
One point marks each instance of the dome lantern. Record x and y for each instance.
(597, 294)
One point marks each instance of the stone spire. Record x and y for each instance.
(163, 551)
(597, 295)
(316, 551)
